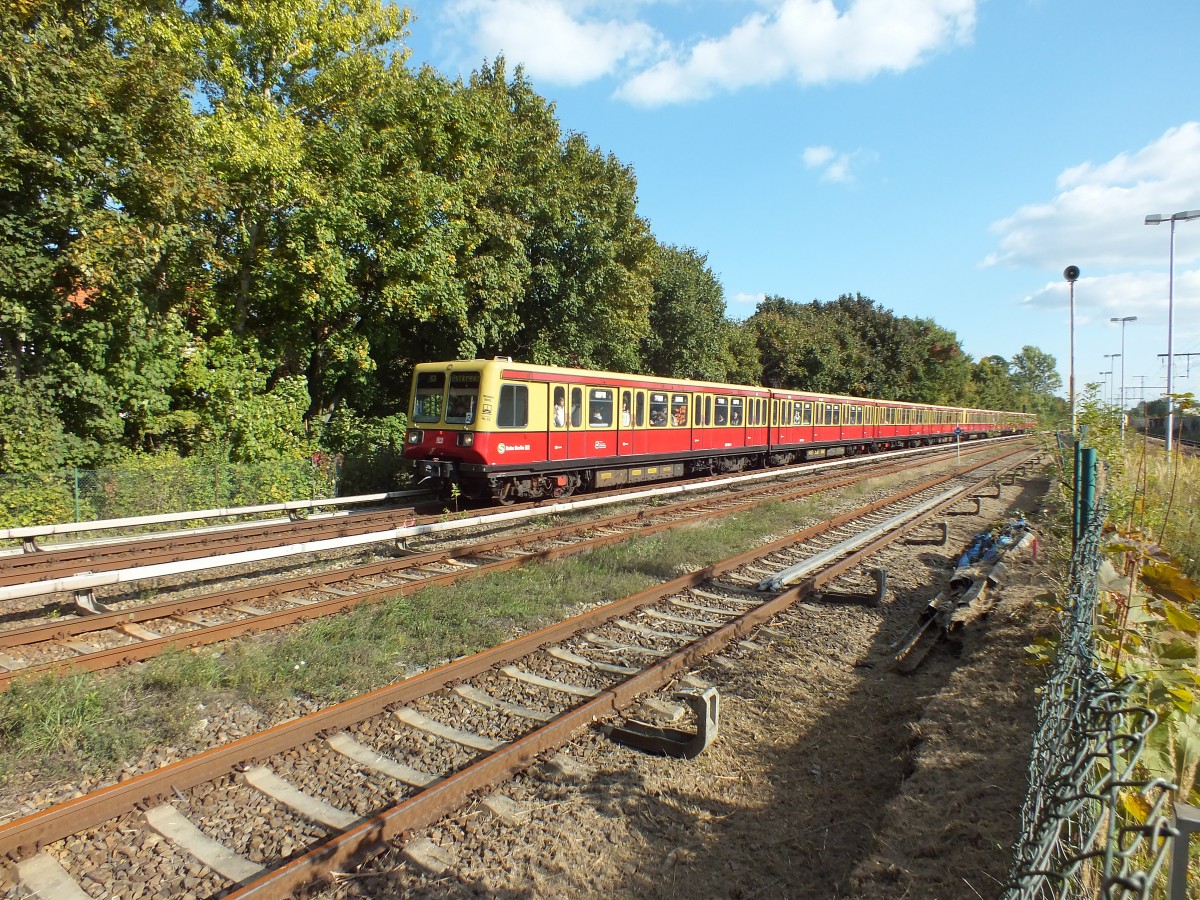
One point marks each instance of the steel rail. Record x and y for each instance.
(26, 835)
(110, 557)
(106, 573)
(147, 648)
(370, 837)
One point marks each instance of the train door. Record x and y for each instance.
(641, 422)
(702, 437)
(577, 437)
(625, 423)
(756, 421)
(723, 436)
(737, 421)
(601, 416)
(556, 439)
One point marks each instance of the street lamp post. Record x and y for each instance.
(1071, 273)
(1158, 219)
(1112, 361)
(1123, 320)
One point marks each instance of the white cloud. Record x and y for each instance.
(1096, 220)
(814, 157)
(808, 41)
(836, 167)
(742, 305)
(557, 41)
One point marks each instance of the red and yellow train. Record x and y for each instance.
(504, 430)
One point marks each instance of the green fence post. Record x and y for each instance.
(1077, 495)
(1088, 503)
(78, 506)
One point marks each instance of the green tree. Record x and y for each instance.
(687, 336)
(99, 192)
(1035, 378)
(499, 236)
(739, 354)
(991, 385)
(799, 347)
(943, 371)
(285, 86)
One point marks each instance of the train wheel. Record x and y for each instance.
(508, 494)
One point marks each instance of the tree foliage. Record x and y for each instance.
(233, 227)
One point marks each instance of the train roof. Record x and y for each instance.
(567, 373)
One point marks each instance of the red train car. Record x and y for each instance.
(502, 430)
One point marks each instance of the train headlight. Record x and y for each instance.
(466, 439)
(415, 435)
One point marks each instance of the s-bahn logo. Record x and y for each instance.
(503, 448)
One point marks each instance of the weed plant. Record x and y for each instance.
(1148, 615)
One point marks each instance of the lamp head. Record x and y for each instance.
(1071, 273)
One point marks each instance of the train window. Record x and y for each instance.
(639, 409)
(807, 418)
(626, 409)
(460, 402)
(576, 407)
(659, 410)
(600, 408)
(679, 409)
(427, 398)
(708, 405)
(735, 411)
(837, 413)
(722, 412)
(514, 406)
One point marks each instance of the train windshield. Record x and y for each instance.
(427, 398)
(462, 398)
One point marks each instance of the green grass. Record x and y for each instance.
(99, 721)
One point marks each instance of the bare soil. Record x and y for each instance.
(833, 774)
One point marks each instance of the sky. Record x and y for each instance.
(946, 158)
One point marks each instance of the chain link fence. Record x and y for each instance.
(1091, 826)
(150, 487)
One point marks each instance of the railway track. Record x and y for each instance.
(111, 555)
(1184, 446)
(50, 562)
(265, 815)
(130, 631)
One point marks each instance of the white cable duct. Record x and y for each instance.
(87, 582)
(36, 531)
(792, 574)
